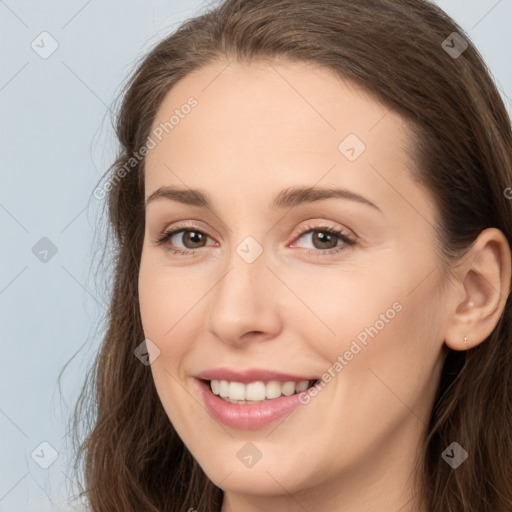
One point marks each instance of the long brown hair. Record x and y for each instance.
(131, 458)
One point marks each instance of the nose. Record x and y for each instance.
(244, 303)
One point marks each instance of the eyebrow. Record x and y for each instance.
(287, 198)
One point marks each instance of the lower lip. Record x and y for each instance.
(250, 416)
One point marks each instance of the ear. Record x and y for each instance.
(483, 280)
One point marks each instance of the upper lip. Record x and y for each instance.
(250, 375)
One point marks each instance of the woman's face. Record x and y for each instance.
(278, 279)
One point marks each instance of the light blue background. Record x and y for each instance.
(56, 141)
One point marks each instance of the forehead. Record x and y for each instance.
(298, 100)
(274, 123)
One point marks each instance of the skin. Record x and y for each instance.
(259, 128)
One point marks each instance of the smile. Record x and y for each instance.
(256, 392)
(250, 399)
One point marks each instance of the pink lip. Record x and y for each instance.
(251, 375)
(251, 416)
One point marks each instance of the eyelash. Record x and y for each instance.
(347, 240)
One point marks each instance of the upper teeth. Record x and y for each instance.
(256, 391)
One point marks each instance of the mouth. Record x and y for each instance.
(256, 392)
(253, 398)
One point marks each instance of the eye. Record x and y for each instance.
(325, 240)
(190, 237)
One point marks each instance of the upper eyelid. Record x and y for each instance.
(179, 226)
(318, 226)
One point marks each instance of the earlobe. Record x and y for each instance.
(484, 283)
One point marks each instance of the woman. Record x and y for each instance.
(311, 304)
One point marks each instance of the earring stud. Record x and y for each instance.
(465, 341)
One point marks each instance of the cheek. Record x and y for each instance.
(164, 299)
(387, 330)
(163, 308)
(352, 304)
(171, 306)
(396, 368)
